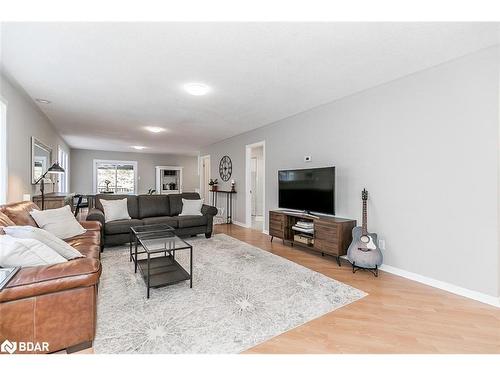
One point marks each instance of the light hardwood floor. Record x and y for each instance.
(397, 316)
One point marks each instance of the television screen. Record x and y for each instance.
(310, 190)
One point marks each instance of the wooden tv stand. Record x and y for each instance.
(332, 235)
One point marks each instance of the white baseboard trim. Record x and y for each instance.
(240, 224)
(478, 296)
(265, 231)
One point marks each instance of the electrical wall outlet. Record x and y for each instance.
(381, 244)
(307, 158)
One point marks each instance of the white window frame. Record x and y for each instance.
(102, 161)
(63, 159)
(3, 152)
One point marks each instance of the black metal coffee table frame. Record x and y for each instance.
(161, 270)
(136, 232)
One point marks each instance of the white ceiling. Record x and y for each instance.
(108, 80)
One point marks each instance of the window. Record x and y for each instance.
(63, 159)
(115, 176)
(3, 152)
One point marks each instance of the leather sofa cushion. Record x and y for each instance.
(121, 226)
(87, 244)
(91, 225)
(169, 220)
(153, 205)
(19, 212)
(90, 236)
(192, 221)
(36, 281)
(90, 251)
(176, 201)
(5, 221)
(132, 205)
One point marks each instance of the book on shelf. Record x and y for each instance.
(304, 230)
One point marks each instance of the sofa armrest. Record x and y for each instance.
(91, 225)
(208, 210)
(96, 214)
(36, 281)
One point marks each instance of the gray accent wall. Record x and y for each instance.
(426, 148)
(82, 162)
(24, 120)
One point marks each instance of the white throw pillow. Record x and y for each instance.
(59, 221)
(47, 238)
(115, 209)
(16, 252)
(191, 207)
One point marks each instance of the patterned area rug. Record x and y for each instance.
(241, 297)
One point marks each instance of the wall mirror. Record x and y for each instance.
(41, 159)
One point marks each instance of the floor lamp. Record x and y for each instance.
(54, 169)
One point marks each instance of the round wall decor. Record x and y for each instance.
(225, 168)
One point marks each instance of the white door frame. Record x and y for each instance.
(248, 182)
(203, 185)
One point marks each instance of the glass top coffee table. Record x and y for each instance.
(159, 267)
(136, 232)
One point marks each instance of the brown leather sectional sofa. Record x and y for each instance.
(54, 304)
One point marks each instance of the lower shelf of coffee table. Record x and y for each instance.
(163, 270)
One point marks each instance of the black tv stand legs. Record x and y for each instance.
(272, 238)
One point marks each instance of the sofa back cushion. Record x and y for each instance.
(153, 205)
(19, 212)
(133, 208)
(176, 201)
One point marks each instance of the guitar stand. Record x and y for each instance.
(372, 270)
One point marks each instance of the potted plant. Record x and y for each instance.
(213, 184)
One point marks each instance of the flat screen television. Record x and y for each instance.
(310, 190)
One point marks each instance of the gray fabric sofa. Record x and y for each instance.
(152, 209)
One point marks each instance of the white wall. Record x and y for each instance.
(425, 146)
(82, 164)
(24, 120)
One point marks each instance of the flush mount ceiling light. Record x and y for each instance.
(197, 88)
(154, 129)
(139, 147)
(43, 101)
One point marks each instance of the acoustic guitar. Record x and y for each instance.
(364, 251)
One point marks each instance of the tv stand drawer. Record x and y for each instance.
(326, 231)
(277, 224)
(327, 247)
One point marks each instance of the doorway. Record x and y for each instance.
(205, 178)
(255, 185)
